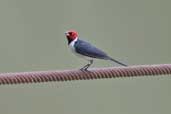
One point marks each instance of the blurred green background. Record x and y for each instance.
(132, 31)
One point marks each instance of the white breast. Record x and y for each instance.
(71, 45)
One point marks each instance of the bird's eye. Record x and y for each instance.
(70, 33)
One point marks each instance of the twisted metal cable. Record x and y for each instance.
(68, 75)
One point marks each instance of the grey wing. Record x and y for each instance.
(87, 49)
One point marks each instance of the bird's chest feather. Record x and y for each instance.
(71, 46)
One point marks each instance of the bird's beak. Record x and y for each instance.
(66, 33)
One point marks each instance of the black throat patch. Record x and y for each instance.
(69, 40)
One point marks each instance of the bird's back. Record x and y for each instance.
(86, 49)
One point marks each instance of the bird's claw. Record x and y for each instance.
(83, 69)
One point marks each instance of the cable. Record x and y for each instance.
(69, 75)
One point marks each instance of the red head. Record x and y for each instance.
(71, 35)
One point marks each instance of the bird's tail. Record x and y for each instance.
(117, 62)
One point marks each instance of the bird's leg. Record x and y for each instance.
(87, 66)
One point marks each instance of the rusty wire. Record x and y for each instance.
(68, 75)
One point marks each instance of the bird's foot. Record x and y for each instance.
(83, 69)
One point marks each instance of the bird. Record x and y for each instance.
(86, 50)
